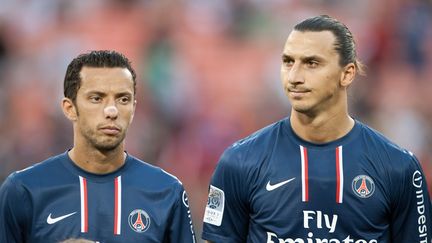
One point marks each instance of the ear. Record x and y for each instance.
(348, 74)
(69, 109)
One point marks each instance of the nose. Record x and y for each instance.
(295, 75)
(111, 112)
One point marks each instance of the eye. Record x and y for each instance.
(95, 99)
(124, 100)
(312, 63)
(287, 61)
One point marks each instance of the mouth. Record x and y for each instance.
(298, 93)
(110, 130)
(298, 90)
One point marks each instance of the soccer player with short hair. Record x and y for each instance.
(318, 176)
(95, 191)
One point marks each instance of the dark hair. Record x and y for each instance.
(345, 44)
(72, 81)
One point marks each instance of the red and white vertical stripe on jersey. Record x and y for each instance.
(84, 204)
(117, 205)
(304, 174)
(339, 175)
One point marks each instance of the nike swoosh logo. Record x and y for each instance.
(55, 220)
(270, 187)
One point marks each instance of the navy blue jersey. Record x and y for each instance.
(275, 187)
(56, 200)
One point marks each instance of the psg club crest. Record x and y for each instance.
(139, 220)
(363, 186)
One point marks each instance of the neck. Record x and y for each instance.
(322, 127)
(96, 161)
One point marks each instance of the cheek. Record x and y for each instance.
(87, 109)
(329, 79)
(84, 122)
(128, 113)
(329, 87)
(84, 127)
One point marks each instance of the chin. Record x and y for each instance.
(308, 110)
(301, 107)
(107, 145)
(303, 111)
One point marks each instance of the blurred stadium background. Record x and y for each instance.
(208, 74)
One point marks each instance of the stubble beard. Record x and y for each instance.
(312, 108)
(101, 142)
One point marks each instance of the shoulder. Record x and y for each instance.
(50, 166)
(150, 173)
(260, 137)
(19, 185)
(248, 151)
(379, 141)
(377, 144)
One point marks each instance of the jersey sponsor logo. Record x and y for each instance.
(51, 220)
(215, 206)
(274, 238)
(417, 182)
(363, 186)
(317, 220)
(270, 187)
(139, 220)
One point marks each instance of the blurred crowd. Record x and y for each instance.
(208, 74)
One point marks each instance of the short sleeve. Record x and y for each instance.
(181, 226)
(14, 208)
(226, 216)
(411, 219)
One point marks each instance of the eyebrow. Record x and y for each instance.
(125, 93)
(94, 92)
(303, 58)
(120, 94)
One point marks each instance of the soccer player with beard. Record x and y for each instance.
(95, 190)
(318, 175)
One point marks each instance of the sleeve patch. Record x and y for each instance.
(215, 206)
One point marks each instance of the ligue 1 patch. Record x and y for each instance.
(363, 186)
(139, 220)
(215, 206)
